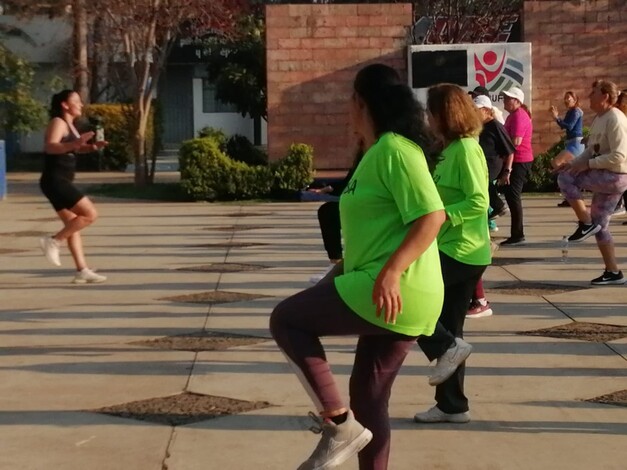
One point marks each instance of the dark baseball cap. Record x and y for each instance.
(478, 91)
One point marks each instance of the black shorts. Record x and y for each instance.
(61, 193)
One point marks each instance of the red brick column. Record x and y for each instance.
(313, 54)
(574, 43)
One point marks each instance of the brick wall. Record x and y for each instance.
(313, 54)
(574, 43)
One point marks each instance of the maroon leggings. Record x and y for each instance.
(297, 324)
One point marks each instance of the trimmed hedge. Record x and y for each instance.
(207, 173)
(118, 132)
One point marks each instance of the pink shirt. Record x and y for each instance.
(518, 124)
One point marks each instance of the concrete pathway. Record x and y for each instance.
(65, 349)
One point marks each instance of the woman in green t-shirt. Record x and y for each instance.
(461, 177)
(388, 290)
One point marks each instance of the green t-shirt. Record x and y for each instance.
(461, 177)
(391, 188)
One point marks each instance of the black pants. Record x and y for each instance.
(513, 196)
(495, 165)
(460, 280)
(329, 218)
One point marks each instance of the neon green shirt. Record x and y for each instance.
(390, 189)
(461, 177)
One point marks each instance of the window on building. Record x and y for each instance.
(210, 104)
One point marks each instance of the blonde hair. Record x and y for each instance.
(607, 88)
(621, 102)
(453, 111)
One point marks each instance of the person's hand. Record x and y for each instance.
(100, 144)
(386, 295)
(325, 190)
(86, 137)
(553, 111)
(577, 166)
(503, 178)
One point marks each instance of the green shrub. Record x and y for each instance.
(295, 171)
(117, 123)
(542, 179)
(218, 135)
(207, 173)
(239, 148)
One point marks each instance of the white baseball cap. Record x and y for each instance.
(482, 101)
(516, 93)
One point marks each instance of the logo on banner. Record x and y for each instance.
(498, 73)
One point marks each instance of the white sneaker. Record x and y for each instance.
(50, 247)
(318, 277)
(87, 276)
(448, 362)
(338, 442)
(435, 415)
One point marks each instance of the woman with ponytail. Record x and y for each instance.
(387, 290)
(62, 143)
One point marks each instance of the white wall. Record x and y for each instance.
(230, 123)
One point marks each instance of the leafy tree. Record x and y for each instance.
(19, 111)
(237, 67)
(147, 30)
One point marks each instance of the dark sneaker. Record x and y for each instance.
(496, 214)
(584, 231)
(513, 241)
(608, 278)
(338, 443)
(564, 203)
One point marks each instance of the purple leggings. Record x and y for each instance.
(607, 188)
(297, 324)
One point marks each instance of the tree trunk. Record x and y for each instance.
(142, 113)
(81, 65)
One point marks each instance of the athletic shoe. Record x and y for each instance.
(479, 310)
(583, 232)
(435, 415)
(620, 210)
(513, 241)
(492, 226)
(608, 278)
(564, 203)
(50, 247)
(500, 213)
(87, 276)
(318, 277)
(448, 362)
(338, 443)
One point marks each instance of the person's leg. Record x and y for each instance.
(377, 362)
(479, 292)
(496, 203)
(74, 241)
(513, 196)
(86, 215)
(329, 218)
(601, 210)
(570, 187)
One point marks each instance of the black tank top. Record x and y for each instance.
(61, 165)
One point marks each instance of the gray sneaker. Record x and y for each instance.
(436, 415)
(449, 361)
(338, 443)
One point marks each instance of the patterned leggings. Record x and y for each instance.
(607, 188)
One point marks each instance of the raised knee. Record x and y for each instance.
(91, 216)
(276, 319)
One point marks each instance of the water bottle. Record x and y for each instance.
(565, 250)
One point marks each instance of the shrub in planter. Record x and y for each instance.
(239, 148)
(207, 173)
(217, 135)
(295, 171)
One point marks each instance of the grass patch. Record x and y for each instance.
(166, 192)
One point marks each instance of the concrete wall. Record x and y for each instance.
(574, 43)
(314, 52)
